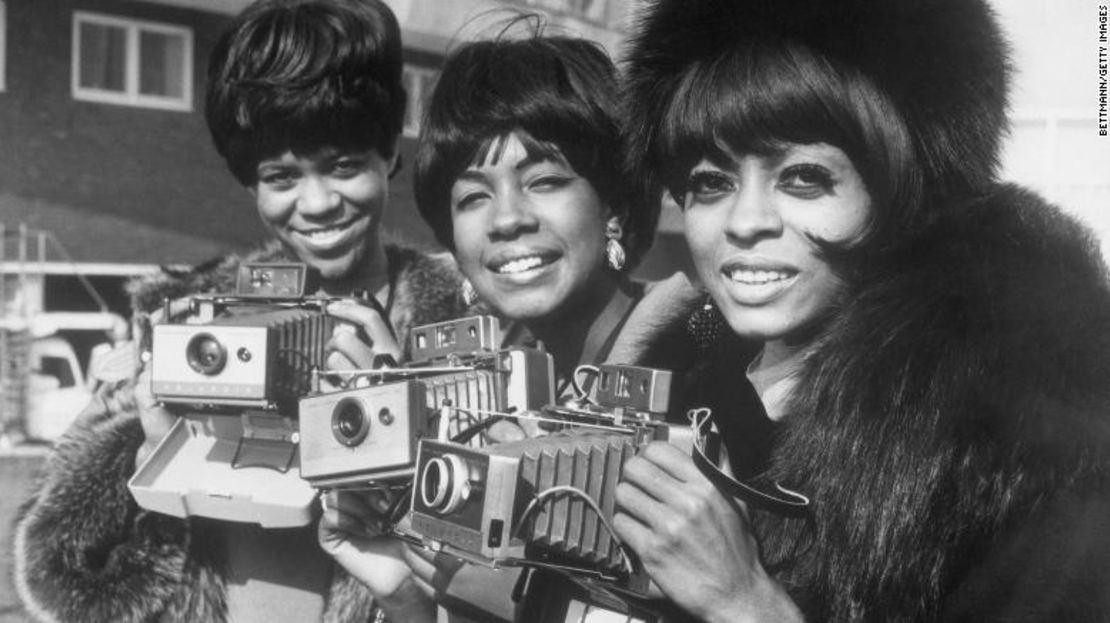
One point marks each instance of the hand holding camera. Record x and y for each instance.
(350, 531)
(362, 337)
(680, 523)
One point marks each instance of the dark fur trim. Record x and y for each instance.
(943, 63)
(955, 397)
(348, 600)
(85, 552)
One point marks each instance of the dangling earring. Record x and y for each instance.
(705, 325)
(469, 294)
(614, 252)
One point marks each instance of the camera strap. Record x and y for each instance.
(783, 501)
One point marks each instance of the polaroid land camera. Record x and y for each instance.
(459, 377)
(547, 501)
(235, 373)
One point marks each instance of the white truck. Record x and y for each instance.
(48, 387)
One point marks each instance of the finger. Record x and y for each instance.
(379, 501)
(634, 501)
(157, 422)
(354, 502)
(376, 562)
(347, 524)
(421, 561)
(350, 515)
(504, 431)
(673, 461)
(649, 478)
(436, 569)
(370, 320)
(633, 533)
(144, 397)
(347, 352)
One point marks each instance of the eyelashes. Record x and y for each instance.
(804, 181)
(808, 175)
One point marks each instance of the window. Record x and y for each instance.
(419, 82)
(132, 62)
(57, 367)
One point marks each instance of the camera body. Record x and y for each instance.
(459, 377)
(257, 348)
(234, 373)
(547, 500)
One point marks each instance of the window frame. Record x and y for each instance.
(130, 96)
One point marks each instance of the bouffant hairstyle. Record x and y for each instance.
(559, 94)
(302, 74)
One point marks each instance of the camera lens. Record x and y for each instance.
(349, 423)
(444, 484)
(206, 354)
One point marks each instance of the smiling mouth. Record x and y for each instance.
(324, 236)
(747, 276)
(522, 264)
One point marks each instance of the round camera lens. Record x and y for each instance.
(349, 423)
(434, 483)
(443, 483)
(206, 354)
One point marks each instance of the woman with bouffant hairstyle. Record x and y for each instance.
(929, 398)
(518, 174)
(305, 103)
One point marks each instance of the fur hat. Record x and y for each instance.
(942, 63)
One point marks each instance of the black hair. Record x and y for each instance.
(763, 95)
(558, 93)
(304, 74)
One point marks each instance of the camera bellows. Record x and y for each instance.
(563, 475)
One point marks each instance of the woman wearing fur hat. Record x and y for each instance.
(305, 102)
(935, 345)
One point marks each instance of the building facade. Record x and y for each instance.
(106, 166)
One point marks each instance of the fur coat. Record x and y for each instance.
(952, 430)
(84, 551)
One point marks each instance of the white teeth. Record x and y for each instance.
(322, 233)
(520, 265)
(757, 277)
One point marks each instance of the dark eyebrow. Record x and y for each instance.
(471, 175)
(532, 159)
(274, 164)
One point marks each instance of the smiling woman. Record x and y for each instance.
(327, 207)
(924, 333)
(529, 232)
(751, 225)
(305, 104)
(518, 174)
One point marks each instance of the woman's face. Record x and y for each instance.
(326, 207)
(749, 226)
(529, 232)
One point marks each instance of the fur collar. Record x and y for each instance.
(961, 391)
